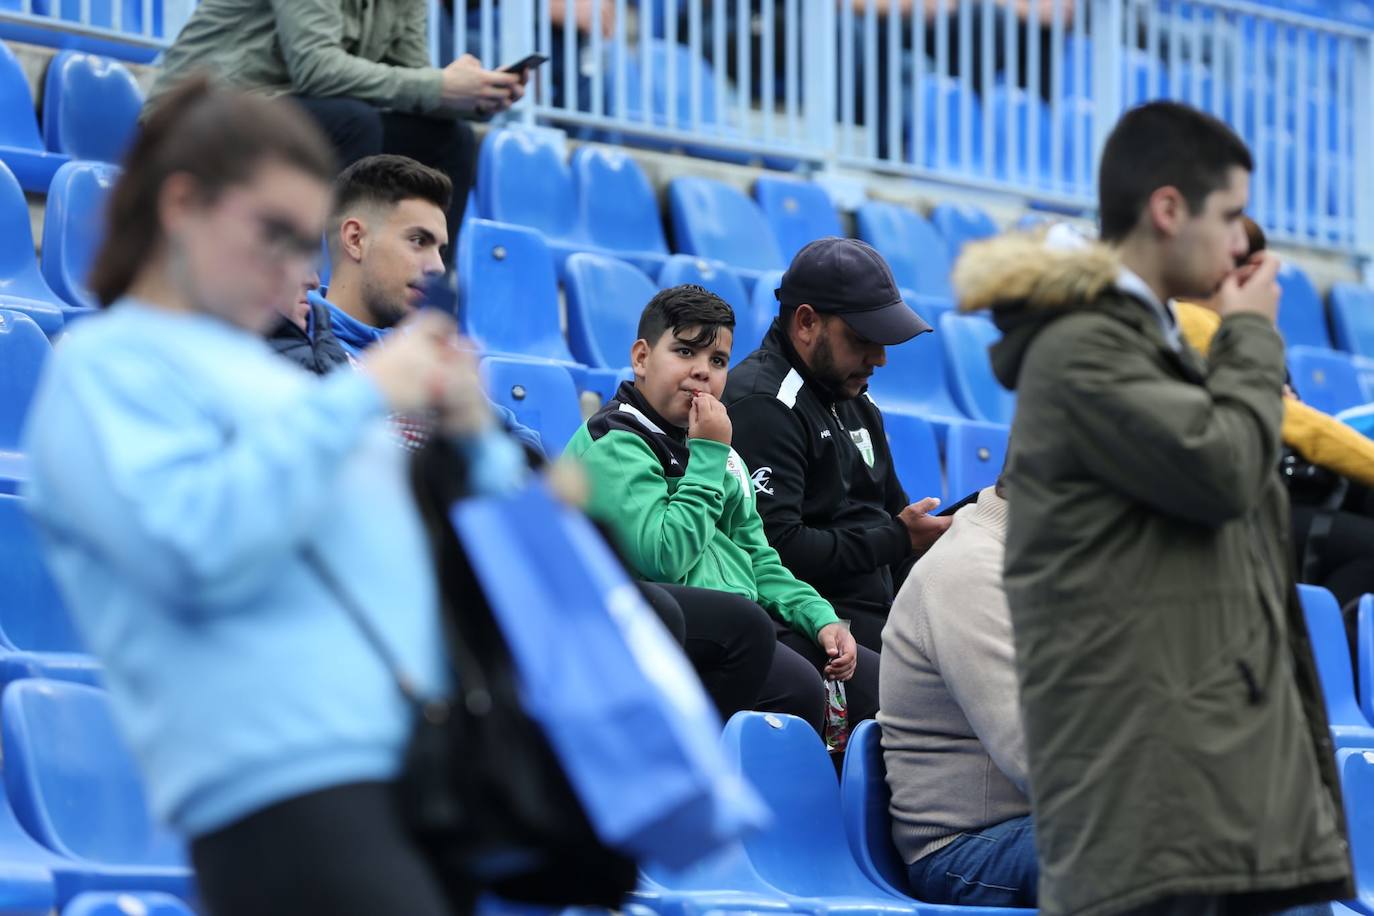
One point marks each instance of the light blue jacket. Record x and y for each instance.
(179, 469)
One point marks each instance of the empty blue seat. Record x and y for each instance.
(915, 454)
(1364, 368)
(21, 147)
(975, 389)
(22, 287)
(75, 789)
(1325, 379)
(1356, 768)
(752, 324)
(73, 227)
(799, 212)
(915, 381)
(1326, 628)
(974, 454)
(605, 299)
(916, 252)
(951, 95)
(37, 638)
(961, 224)
(23, 350)
(1302, 321)
(618, 206)
(1364, 640)
(90, 107)
(1352, 317)
(717, 277)
(523, 179)
(541, 394)
(713, 220)
(127, 903)
(1014, 162)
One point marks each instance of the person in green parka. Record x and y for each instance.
(1180, 760)
(680, 501)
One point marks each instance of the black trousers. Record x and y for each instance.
(342, 851)
(861, 691)
(358, 129)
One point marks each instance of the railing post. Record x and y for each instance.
(1108, 23)
(1363, 118)
(818, 66)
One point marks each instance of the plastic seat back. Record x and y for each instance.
(865, 798)
(23, 350)
(1357, 786)
(714, 220)
(541, 394)
(804, 851)
(914, 379)
(1364, 639)
(961, 224)
(971, 382)
(605, 298)
(713, 275)
(752, 324)
(73, 226)
(1325, 379)
(522, 179)
(22, 287)
(1352, 317)
(508, 291)
(974, 454)
(951, 95)
(32, 615)
(126, 903)
(799, 212)
(1017, 165)
(916, 252)
(73, 782)
(1302, 321)
(1326, 628)
(915, 453)
(618, 206)
(18, 119)
(90, 107)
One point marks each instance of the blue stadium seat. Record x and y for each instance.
(974, 453)
(915, 381)
(522, 179)
(605, 299)
(1302, 321)
(22, 287)
(799, 212)
(619, 209)
(713, 275)
(29, 873)
(75, 789)
(804, 852)
(1352, 317)
(1326, 628)
(971, 382)
(73, 227)
(1364, 368)
(1022, 168)
(915, 454)
(1356, 768)
(864, 798)
(949, 94)
(713, 220)
(752, 324)
(541, 394)
(916, 252)
(1325, 379)
(499, 266)
(961, 225)
(1364, 639)
(37, 638)
(23, 350)
(128, 903)
(21, 147)
(90, 107)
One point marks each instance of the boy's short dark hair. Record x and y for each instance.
(1163, 144)
(388, 180)
(687, 306)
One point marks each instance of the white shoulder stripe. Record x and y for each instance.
(643, 420)
(787, 392)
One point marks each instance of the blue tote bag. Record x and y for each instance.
(617, 699)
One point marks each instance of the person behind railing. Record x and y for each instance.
(361, 71)
(1178, 749)
(190, 484)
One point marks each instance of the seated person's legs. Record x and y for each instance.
(793, 687)
(994, 867)
(730, 642)
(866, 627)
(668, 610)
(446, 144)
(860, 691)
(354, 128)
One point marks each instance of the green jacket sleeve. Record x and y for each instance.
(310, 33)
(662, 534)
(1197, 452)
(782, 594)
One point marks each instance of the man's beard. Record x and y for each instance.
(385, 313)
(824, 369)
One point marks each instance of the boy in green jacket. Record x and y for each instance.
(681, 501)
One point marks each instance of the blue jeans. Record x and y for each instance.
(994, 867)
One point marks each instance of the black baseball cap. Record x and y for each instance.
(846, 277)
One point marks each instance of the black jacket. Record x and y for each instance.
(321, 353)
(823, 477)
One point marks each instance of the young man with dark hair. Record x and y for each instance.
(1178, 751)
(680, 502)
(823, 474)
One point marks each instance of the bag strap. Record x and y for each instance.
(355, 612)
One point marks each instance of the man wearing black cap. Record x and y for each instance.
(827, 491)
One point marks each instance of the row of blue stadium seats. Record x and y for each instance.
(90, 111)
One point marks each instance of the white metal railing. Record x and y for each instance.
(143, 24)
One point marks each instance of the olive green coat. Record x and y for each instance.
(1177, 737)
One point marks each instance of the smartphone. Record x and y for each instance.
(526, 63)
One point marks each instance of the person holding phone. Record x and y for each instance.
(360, 69)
